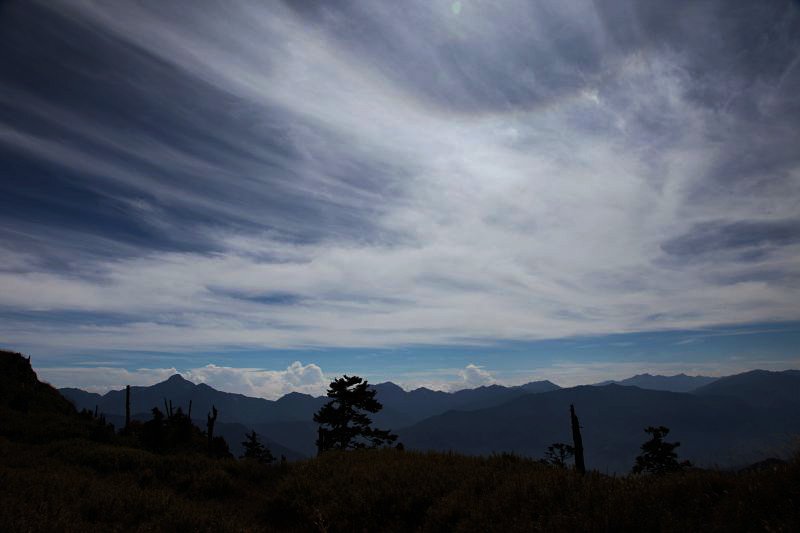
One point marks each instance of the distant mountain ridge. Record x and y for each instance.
(677, 383)
(761, 387)
(233, 407)
(733, 421)
(729, 421)
(293, 412)
(399, 405)
(421, 403)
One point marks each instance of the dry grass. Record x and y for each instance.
(82, 485)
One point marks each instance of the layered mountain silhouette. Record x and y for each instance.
(291, 415)
(676, 383)
(233, 407)
(422, 403)
(238, 414)
(714, 430)
(759, 387)
(728, 422)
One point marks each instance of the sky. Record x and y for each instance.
(262, 195)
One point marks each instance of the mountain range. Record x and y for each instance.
(676, 383)
(728, 421)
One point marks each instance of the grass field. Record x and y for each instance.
(79, 485)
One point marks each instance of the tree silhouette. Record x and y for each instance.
(152, 432)
(658, 457)
(174, 432)
(219, 448)
(179, 429)
(558, 454)
(254, 450)
(345, 418)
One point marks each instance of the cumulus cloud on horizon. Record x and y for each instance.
(270, 384)
(261, 383)
(375, 174)
(307, 379)
(474, 376)
(310, 379)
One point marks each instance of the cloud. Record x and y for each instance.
(102, 379)
(473, 376)
(310, 379)
(744, 234)
(270, 384)
(259, 175)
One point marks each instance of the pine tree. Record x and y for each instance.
(658, 457)
(219, 448)
(345, 418)
(152, 432)
(254, 450)
(558, 454)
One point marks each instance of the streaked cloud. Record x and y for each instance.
(299, 175)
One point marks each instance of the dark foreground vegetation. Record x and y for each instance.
(77, 485)
(63, 471)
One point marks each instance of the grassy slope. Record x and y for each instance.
(82, 485)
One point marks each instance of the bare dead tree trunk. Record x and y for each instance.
(320, 440)
(127, 407)
(212, 419)
(577, 441)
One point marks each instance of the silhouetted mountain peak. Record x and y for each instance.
(175, 384)
(294, 395)
(544, 385)
(388, 385)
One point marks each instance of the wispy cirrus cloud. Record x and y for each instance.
(303, 175)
